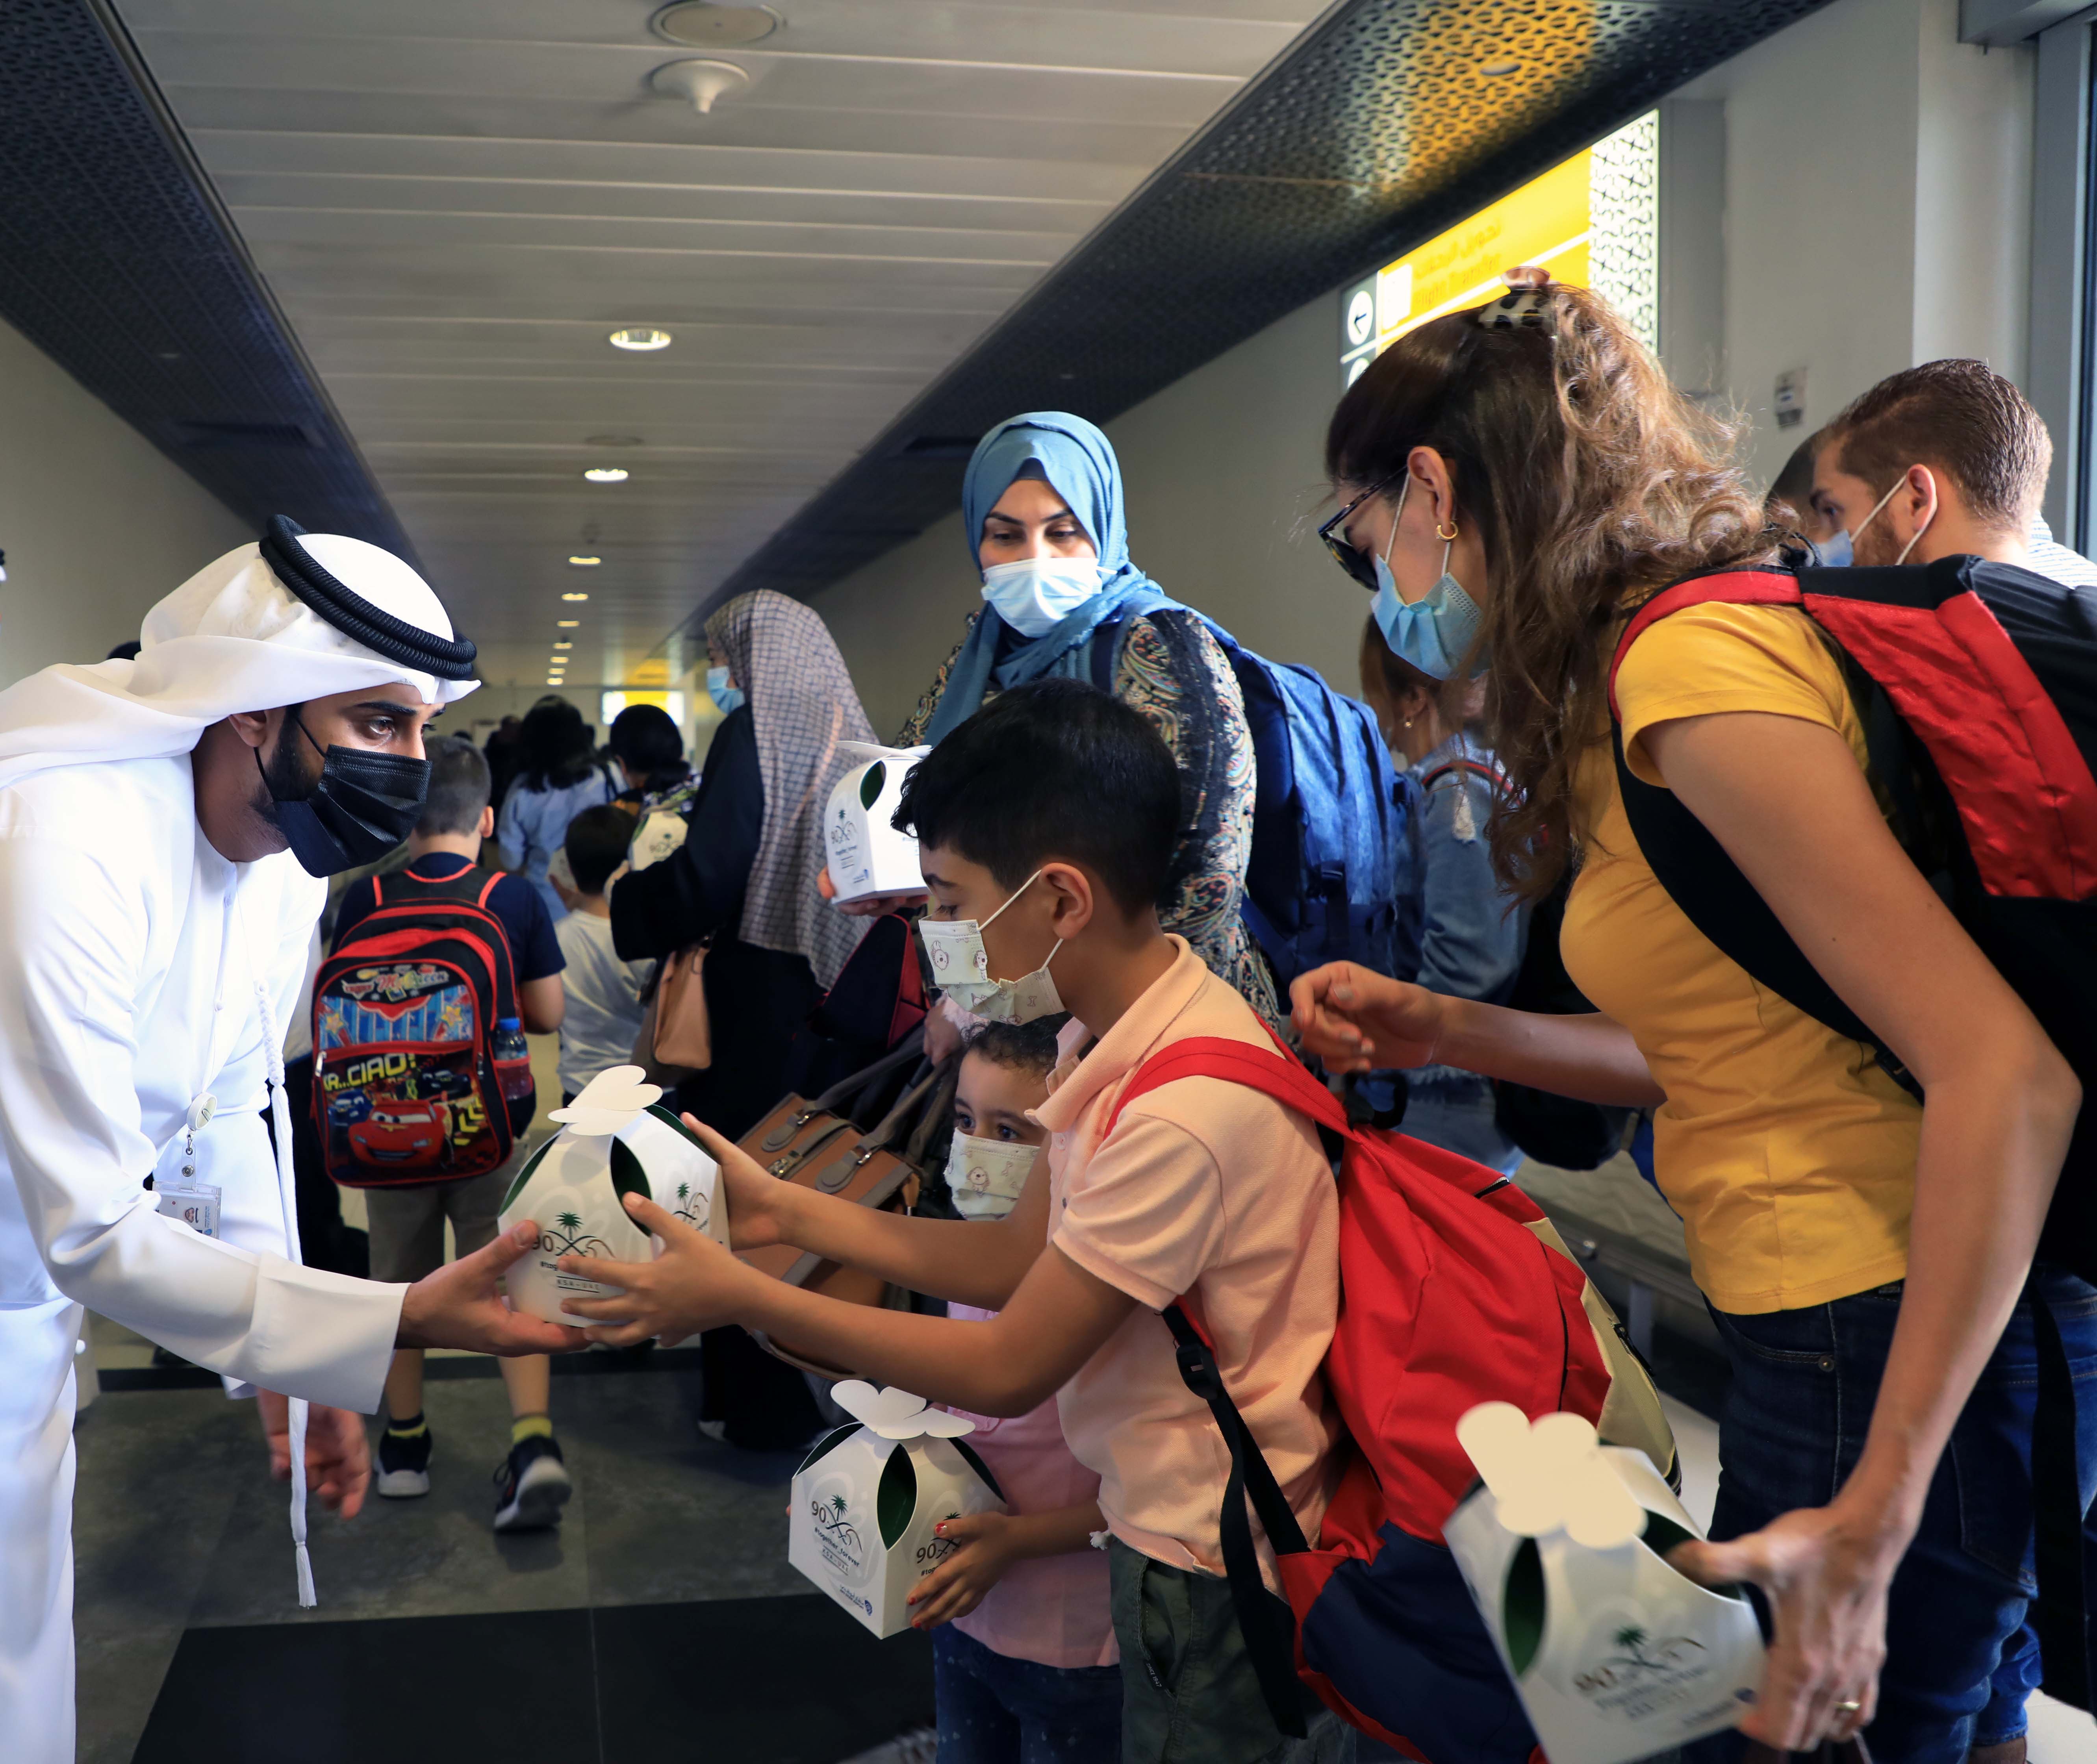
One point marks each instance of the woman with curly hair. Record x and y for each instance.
(1515, 482)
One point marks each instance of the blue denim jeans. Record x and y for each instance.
(994, 1710)
(1960, 1661)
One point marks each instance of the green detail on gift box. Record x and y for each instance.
(837, 1436)
(669, 1119)
(628, 1177)
(869, 785)
(897, 1498)
(978, 1466)
(524, 1176)
(1521, 1606)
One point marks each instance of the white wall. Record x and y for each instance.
(96, 522)
(1877, 206)
(1222, 470)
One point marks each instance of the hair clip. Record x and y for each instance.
(1518, 309)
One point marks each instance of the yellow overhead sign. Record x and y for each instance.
(1550, 221)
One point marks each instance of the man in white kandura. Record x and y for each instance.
(153, 928)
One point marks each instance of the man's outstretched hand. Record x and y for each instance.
(460, 1305)
(338, 1455)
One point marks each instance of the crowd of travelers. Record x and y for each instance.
(1632, 713)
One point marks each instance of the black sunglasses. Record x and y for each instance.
(1333, 537)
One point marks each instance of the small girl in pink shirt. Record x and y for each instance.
(1023, 1648)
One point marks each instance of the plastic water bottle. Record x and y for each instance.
(513, 1060)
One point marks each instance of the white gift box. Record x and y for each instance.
(866, 1502)
(865, 853)
(616, 1139)
(1614, 1654)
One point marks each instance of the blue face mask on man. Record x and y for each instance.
(722, 691)
(1435, 632)
(1837, 552)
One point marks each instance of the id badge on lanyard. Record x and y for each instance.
(195, 1203)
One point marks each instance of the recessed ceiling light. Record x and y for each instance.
(567, 624)
(564, 645)
(574, 597)
(607, 475)
(553, 679)
(585, 563)
(709, 26)
(642, 338)
(1498, 70)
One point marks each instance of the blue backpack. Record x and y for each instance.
(1334, 874)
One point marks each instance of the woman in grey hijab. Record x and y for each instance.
(745, 879)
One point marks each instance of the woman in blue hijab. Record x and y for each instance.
(1042, 507)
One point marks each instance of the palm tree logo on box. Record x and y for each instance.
(840, 1537)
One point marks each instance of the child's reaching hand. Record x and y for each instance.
(957, 1586)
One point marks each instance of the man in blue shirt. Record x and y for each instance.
(407, 1224)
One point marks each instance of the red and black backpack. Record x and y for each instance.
(1976, 683)
(411, 1062)
(1454, 1290)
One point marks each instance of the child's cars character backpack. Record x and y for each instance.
(1454, 1290)
(421, 1073)
(1333, 875)
(1977, 686)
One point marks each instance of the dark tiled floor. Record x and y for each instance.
(671, 1567)
(736, 1681)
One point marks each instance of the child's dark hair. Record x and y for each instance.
(1029, 1048)
(1055, 768)
(595, 845)
(458, 787)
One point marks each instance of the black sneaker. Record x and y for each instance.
(403, 1464)
(533, 1486)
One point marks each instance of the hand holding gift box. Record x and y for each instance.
(867, 1502)
(1615, 1655)
(616, 1139)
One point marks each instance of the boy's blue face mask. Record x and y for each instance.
(1435, 632)
(728, 698)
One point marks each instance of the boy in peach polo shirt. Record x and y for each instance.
(1046, 824)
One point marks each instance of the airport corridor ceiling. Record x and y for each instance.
(899, 221)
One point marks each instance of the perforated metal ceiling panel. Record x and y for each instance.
(1381, 129)
(115, 260)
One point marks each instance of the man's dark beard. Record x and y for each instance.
(284, 772)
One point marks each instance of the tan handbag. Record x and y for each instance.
(683, 1036)
(814, 1142)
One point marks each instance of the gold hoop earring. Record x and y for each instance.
(1448, 537)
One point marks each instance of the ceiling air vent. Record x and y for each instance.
(938, 447)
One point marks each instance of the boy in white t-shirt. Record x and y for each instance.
(604, 994)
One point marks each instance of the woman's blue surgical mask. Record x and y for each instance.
(1435, 632)
(1034, 595)
(723, 691)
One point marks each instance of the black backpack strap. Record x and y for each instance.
(1105, 650)
(1691, 865)
(1267, 1622)
(2059, 1613)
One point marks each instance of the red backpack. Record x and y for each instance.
(1454, 1290)
(420, 1070)
(1976, 684)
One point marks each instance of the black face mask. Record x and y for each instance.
(362, 805)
